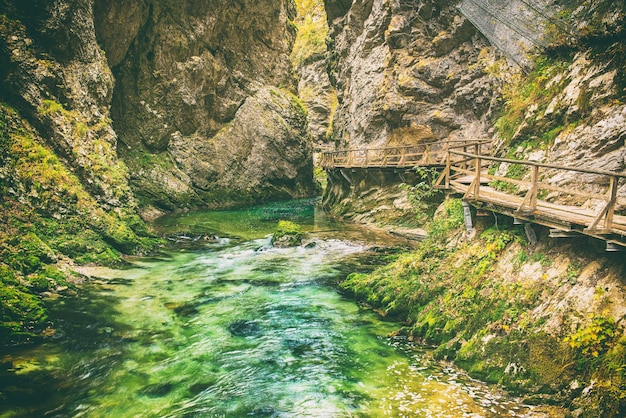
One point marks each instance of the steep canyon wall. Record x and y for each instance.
(204, 104)
(113, 108)
(407, 72)
(546, 320)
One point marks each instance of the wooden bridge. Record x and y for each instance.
(531, 197)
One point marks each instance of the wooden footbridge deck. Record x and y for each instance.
(533, 196)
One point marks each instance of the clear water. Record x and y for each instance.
(230, 327)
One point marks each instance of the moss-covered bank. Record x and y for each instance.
(543, 321)
(49, 222)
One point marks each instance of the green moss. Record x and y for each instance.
(46, 214)
(49, 107)
(21, 312)
(536, 89)
(26, 253)
(287, 234)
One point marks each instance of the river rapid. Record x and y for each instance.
(224, 325)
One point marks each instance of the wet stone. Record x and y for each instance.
(197, 388)
(244, 328)
(157, 390)
(182, 309)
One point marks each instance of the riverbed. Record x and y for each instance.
(224, 325)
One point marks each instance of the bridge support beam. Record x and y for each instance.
(530, 233)
(467, 214)
(345, 176)
(612, 247)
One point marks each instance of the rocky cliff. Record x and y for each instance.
(188, 77)
(544, 320)
(113, 108)
(407, 72)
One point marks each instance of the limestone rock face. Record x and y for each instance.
(183, 72)
(407, 72)
(265, 151)
(55, 72)
(315, 90)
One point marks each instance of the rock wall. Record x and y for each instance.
(407, 72)
(55, 73)
(110, 107)
(309, 60)
(183, 72)
(371, 196)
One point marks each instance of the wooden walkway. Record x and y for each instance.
(530, 197)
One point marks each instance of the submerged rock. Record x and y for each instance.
(157, 390)
(244, 328)
(182, 308)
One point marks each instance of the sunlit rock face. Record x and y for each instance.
(407, 72)
(184, 71)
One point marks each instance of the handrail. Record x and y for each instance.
(462, 162)
(461, 143)
(602, 221)
(541, 165)
(425, 154)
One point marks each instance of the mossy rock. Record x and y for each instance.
(288, 234)
(21, 312)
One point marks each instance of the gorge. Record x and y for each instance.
(114, 113)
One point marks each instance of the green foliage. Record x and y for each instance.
(452, 218)
(595, 338)
(524, 92)
(600, 352)
(312, 30)
(320, 177)
(422, 196)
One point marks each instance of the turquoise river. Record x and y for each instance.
(224, 325)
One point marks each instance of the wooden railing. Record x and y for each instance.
(531, 194)
(426, 154)
(528, 192)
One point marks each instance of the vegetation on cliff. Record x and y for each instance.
(49, 219)
(490, 305)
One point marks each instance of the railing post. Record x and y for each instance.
(477, 177)
(402, 157)
(366, 158)
(349, 159)
(465, 159)
(448, 169)
(534, 175)
(608, 221)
